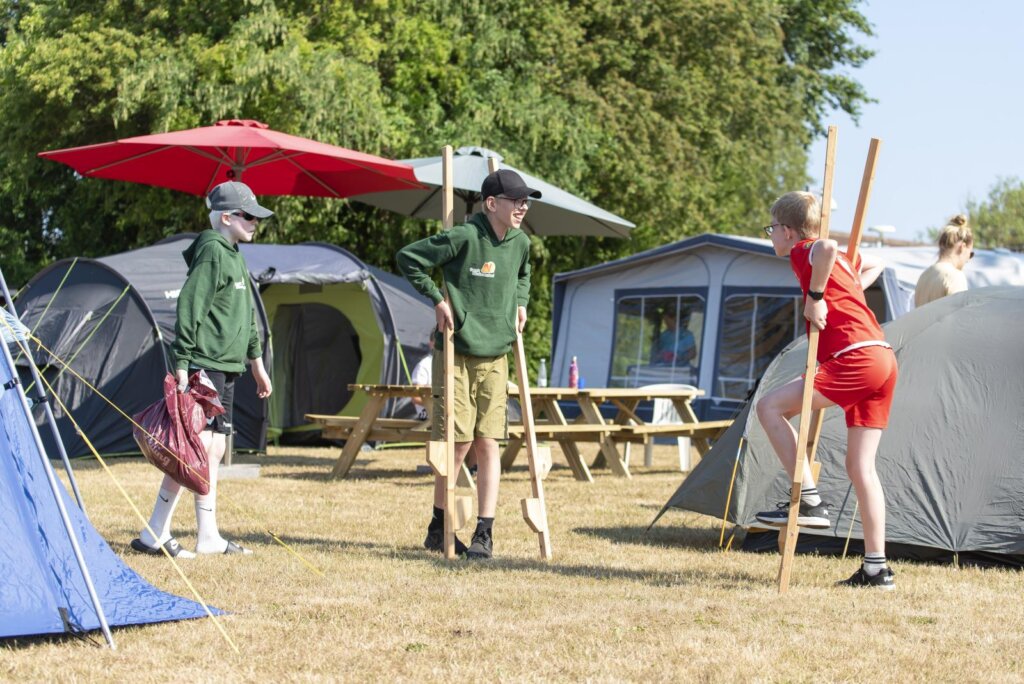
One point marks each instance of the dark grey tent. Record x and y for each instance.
(112, 321)
(115, 318)
(950, 461)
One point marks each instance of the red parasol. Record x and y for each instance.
(269, 162)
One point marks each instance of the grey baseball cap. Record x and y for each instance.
(236, 196)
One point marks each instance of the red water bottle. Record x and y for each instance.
(574, 374)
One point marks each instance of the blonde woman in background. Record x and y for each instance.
(946, 276)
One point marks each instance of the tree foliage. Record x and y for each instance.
(998, 220)
(684, 116)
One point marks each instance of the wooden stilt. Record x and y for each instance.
(815, 471)
(811, 422)
(534, 507)
(436, 457)
(450, 474)
(463, 511)
(791, 531)
(465, 479)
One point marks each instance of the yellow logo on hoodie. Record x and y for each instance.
(485, 271)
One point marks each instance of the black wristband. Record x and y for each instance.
(816, 296)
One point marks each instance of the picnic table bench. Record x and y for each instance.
(550, 424)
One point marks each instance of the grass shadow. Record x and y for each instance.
(90, 638)
(288, 460)
(320, 544)
(695, 538)
(319, 470)
(723, 579)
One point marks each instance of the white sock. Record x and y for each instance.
(809, 495)
(208, 539)
(163, 513)
(874, 563)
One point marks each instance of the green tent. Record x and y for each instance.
(334, 321)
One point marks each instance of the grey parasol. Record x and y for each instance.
(556, 213)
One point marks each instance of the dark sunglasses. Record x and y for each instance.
(768, 230)
(247, 216)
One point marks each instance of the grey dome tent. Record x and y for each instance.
(124, 349)
(950, 460)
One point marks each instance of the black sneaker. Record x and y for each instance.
(435, 542)
(813, 517)
(482, 544)
(885, 580)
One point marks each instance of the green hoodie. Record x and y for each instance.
(216, 325)
(487, 281)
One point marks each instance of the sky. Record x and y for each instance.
(949, 79)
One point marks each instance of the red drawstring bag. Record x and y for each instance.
(173, 425)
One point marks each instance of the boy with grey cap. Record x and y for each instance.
(215, 331)
(486, 268)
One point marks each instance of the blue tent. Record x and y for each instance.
(44, 590)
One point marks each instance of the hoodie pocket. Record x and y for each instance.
(487, 333)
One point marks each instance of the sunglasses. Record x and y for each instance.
(247, 216)
(769, 229)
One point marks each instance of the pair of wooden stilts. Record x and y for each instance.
(441, 454)
(811, 420)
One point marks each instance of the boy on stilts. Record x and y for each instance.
(486, 267)
(857, 371)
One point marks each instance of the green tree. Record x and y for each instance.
(998, 220)
(684, 116)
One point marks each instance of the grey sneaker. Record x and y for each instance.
(812, 517)
(482, 545)
(884, 580)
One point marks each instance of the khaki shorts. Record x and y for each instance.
(481, 393)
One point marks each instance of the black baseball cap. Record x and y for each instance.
(236, 196)
(507, 183)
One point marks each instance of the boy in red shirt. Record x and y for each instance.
(857, 371)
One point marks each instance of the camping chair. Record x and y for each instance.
(664, 412)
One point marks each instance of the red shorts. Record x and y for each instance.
(862, 382)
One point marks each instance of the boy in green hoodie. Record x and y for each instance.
(215, 331)
(486, 268)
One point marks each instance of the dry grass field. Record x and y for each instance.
(614, 604)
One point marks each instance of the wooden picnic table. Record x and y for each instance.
(357, 431)
(625, 427)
